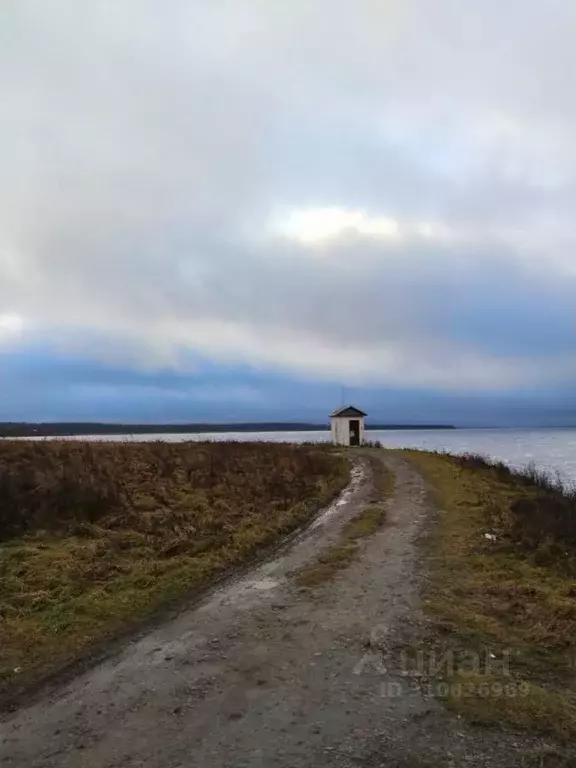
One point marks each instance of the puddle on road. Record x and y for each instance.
(357, 476)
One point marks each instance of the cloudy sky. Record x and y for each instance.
(230, 209)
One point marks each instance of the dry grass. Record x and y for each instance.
(339, 557)
(97, 535)
(511, 591)
(365, 524)
(383, 479)
(326, 566)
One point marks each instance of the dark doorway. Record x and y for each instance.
(354, 432)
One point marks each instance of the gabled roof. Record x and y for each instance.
(347, 410)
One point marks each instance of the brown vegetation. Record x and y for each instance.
(502, 577)
(539, 518)
(95, 535)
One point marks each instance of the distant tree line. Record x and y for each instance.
(62, 429)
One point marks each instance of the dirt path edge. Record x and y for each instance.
(48, 684)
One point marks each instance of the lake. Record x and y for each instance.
(551, 449)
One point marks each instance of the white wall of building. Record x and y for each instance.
(340, 431)
(340, 427)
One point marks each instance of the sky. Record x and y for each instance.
(234, 209)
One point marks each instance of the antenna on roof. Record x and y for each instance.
(343, 395)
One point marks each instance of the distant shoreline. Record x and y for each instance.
(68, 429)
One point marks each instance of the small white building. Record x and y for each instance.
(347, 426)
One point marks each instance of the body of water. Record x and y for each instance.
(551, 449)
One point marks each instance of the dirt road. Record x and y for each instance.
(263, 673)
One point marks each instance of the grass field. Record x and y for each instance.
(94, 536)
(502, 578)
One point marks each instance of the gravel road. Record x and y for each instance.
(262, 673)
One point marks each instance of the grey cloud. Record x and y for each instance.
(143, 154)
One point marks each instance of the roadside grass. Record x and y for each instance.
(326, 566)
(341, 555)
(97, 536)
(502, 579)
(365, 524)
(383, 478)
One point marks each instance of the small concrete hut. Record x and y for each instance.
(347, 424)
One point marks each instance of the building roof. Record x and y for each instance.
(347, 410)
